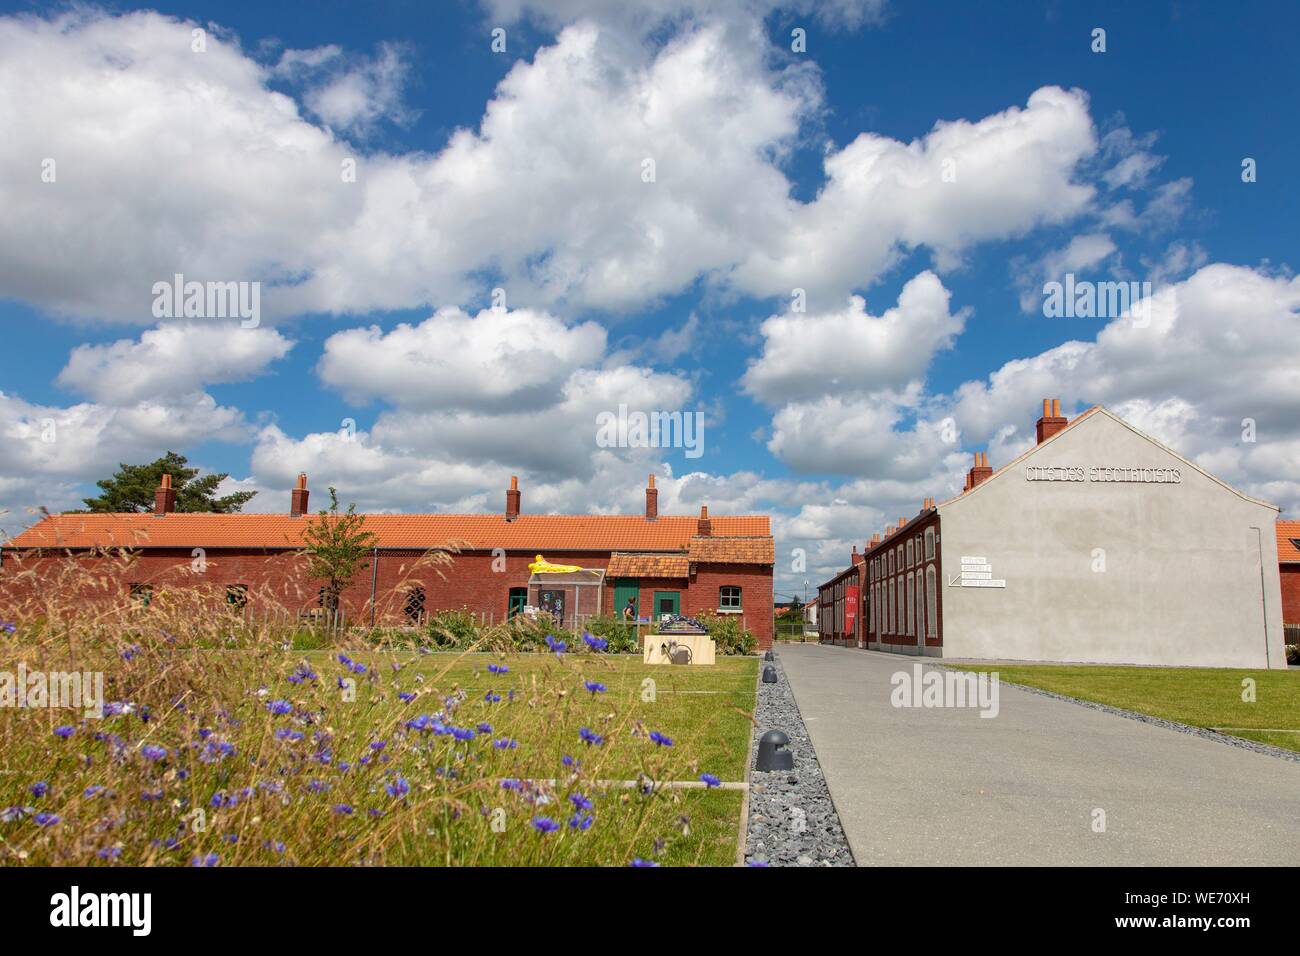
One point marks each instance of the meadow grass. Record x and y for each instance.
(222, 745)
(1199, 696)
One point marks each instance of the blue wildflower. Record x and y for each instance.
(581, 821)
(660, 739)
(8, 627)
(405, 696)
(66, 731)
(153, 752)
(484, 727)
(398, 788)
(498, 669)
(640, 862)
(46, 819)
(492, 698)
(109, 853)
(93, 790)
(595, 643)
(579, 801)
(505, 743)
(462, 733)
(710, 780)
(342, 808)
(39, 789)
(545, 825)
(559, 647)
(594, 686)
(590, 737)
(279, 707)
(211, 859)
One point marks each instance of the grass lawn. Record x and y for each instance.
(1200, 696)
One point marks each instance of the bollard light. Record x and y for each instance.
(774, 752)
(769, 674)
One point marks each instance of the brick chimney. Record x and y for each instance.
(875, 540)
(651, 500)
(704, 527)
(855, 557)
(512, 499)
(298, 497)
(1052, 421)
(164, 499)
(980, 471)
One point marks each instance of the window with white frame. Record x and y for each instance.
(932, 607)
(893, 606)
(929, 543)
(910, 554)
(911, 604)
(920, 607)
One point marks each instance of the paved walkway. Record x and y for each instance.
(947, 787)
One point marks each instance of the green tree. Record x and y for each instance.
(338, 549)
(132, 488)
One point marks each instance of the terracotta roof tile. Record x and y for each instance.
(538, 533)
(718, 549)
(648, 566)
(1288, 533)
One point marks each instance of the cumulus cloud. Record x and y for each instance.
(808, 355)
(497, 359)
(176, 358)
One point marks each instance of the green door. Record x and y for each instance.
(518, 598)
(668, 602)
(626, 589)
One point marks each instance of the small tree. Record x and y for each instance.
(338, 548)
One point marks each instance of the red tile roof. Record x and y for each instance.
(648, 566)
(538, 533)
(732, 550)
(1288, 532)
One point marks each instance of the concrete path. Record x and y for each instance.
(948, 787)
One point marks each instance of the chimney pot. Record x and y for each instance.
(164, 499)
(298, 497)
(1052, 421)
(980, 471)
(651, 500)
(512, 499)
(704, 526)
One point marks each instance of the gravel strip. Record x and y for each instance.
(1203, 732)
(792, 820)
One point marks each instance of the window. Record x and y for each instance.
(142, 594)
(929, 543)
(890, 556)
(910, 554)
(920, 608)
(414, 607)
(932, 610)
(875, 609)
(237, 595)
(911, 604)
(893, 606)
(518, 600)
(729, 598)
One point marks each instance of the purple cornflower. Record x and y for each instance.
(640, 862)
(545, 825)
(153, 752)
(39, 789)
(581, 821)
(498, 669)
(66, 731)
(93, 790)
(484, 727)
(594, 686)
(342, 808)
(595, 643)
(279, 707)
(710, 780)
(8, 627)
(567, 760)
(462, 733)
(660, 739)
(579, 801)
(211, 859)
(590, 737)
(398, 788)
(405, 696)
(505, 743)
(559, 647)
(492, 698)
(109, 853)
(46, 819)
(378, 745)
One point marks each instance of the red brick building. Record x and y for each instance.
(661, 563)
(1288, 556)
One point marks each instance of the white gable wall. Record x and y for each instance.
(1190, 568)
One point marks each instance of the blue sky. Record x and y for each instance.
(776, 169)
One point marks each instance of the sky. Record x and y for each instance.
(475, 228)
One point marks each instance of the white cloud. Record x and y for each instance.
(851, 351)
(355, 99)
(1081, 253)
(175, 358)
(497, 359)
